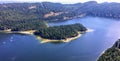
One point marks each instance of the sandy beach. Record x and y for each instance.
(43, 40)
(18, 32)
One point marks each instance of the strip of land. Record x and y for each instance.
(44, 40)
(18, 32)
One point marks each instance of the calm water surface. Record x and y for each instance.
(17, 47)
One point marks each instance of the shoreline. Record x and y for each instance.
(100, 55)
(30, 32)
(43, 40)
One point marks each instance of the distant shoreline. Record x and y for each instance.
(19, 32)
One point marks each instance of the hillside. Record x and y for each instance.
(112, 54)
(56, 11)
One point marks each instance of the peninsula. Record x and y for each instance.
(63, 33)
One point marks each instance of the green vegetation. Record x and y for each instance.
(28, 16)
(22, 25)
(37, 11)
(112, 54)
(42, 30)
(27, 11)
(61, 32)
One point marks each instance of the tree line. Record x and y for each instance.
(22, 25)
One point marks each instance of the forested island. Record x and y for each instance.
(112, 54)
(61, 33)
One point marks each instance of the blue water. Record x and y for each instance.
(17, 47)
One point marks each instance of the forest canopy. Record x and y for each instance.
(112, 54)
(61, 32)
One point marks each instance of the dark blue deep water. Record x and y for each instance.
(18, 47)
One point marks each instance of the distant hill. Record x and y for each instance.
(2, 2)
(49, 11)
